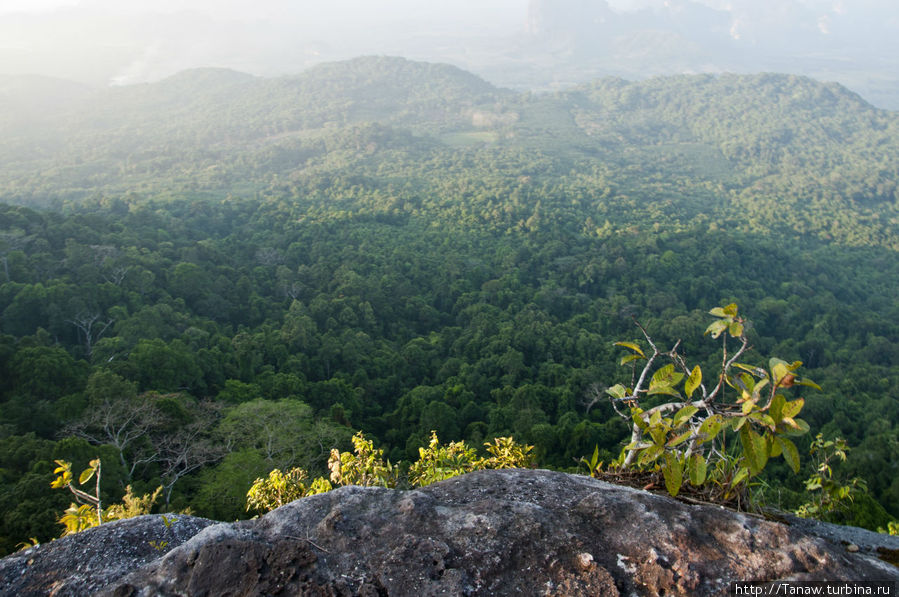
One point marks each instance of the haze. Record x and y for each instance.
(537, 44)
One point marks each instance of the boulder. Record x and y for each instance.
(502, 532)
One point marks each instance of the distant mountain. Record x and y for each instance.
(757, 139)
(751, 119)
(209, 105)
(570, 41)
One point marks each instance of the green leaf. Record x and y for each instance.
(665, 376)
(741, 474)
(693, 381)
(757, 371)
(801, 428)
(763, 419)
(755, 449)
(679, 439)
(775, 448)
(617, 391)
(673, 470)
(807, 382)
(791, 409)
(638, 446)
(667, 390)
(85, 476)
(629, 358)
(696, 469)
(716, 328)
(777, 407)
(757, 390)
(731, 310)
(710, 428)
(780, 369)
(61, 481)
(664, 380)
(639, 420)
(790, 453)
(735, 329)
(631, 345)
(718, 312)
(655, 419)
(737, 383)
(684, 414)
(747, 407)
(650, 454)
(659, 434)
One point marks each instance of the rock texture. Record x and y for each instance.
(487, 533)
(86, 562)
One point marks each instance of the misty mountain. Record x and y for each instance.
(521, 44)
(205, 105)
(752, 139)
(588, 39)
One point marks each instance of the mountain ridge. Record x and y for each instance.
(749, 140)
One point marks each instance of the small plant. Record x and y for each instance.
(594, 464)
(33, 542)
(364, 466)
(167, 522)
(159, 545)
(892, 528)
(89, 511)
(687, 436)
(132, 505)
(505, 452)
(367, 466)
(282, 488)
(436, 462)
(830, 494)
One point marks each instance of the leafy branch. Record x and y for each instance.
(691, 445)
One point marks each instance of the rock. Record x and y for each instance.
(486, 533)
(84, 563)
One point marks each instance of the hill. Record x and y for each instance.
(396, 247)
(758, 144)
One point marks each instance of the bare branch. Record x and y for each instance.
(595, 393)
(85, 321)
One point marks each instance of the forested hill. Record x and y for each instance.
(262, 266)
(744, 151)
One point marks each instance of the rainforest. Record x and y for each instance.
(215, 275)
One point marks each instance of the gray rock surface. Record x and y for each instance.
(83, 563)
(508, 532)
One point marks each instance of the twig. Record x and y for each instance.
(310, 541)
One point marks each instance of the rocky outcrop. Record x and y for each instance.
(86, 562)
(486, 533)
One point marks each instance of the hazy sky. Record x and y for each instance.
(127, 41)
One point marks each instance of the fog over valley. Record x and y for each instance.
(536, 44)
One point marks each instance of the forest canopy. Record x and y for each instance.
(240, 273)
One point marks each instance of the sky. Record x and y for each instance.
(105, 42)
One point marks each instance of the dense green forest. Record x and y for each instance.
(215, 275)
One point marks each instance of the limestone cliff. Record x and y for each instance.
(487, 533)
